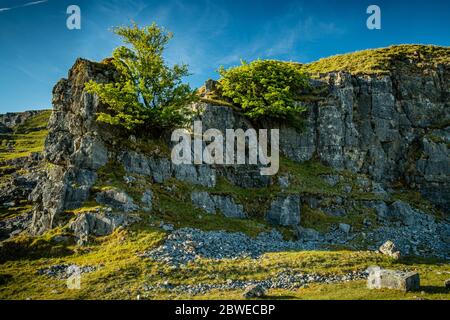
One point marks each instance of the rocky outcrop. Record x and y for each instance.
(98, 224)
(388, 128)
(218, 203)
(73, 148)
(116, 199)
(10, 120)
(285, 211)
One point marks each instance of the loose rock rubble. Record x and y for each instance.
(185, 245)
(284, 280)
(426, 240)
(15, 225)
(64, 271)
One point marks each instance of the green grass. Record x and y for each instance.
(37, 122)
(381, 61)
(123, 273)
(22, 207)
(27, 138)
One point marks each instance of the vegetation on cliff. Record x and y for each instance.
(25, 138)
(265, 89)
(148, 93)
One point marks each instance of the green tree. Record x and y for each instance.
(148, 93)
(265, 89)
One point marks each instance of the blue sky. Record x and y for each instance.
(36, 48)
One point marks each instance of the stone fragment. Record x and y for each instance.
(256, 291)
(285, 211)
(117, 199)
(344, 227)
(389, 249)
(393, 279)
(306, 234)
(447, 283)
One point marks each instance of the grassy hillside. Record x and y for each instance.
(122, 274)
(383, 60)
(26, 138)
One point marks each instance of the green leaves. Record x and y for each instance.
(148, 94)
(265, 88)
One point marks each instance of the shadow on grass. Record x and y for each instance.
(435, 289)
(410, 260)
(27, 248)
(278, 298)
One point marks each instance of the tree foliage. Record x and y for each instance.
(265, 89)
(148, 93)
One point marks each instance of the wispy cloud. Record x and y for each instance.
(33, 3)
(283, 36)
(28, 4)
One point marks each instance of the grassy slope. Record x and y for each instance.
(123, 273)
(26, 138)
(382, 61)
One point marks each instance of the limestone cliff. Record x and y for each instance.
(384, 131)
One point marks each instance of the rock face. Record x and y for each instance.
(73, 147)
(391, 279)
(217, 203)
(12, 119)
(389, 128)
(117, 199)
(285, 211)
(98, 224)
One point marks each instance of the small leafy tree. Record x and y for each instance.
(265, 89)
(148, 93)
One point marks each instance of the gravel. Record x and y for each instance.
(182, 246)
(417, 240)
(185, 245)
(285, 280)
(64, 271)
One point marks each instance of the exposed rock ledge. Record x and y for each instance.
(390, 128)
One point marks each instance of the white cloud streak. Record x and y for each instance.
(28, 4)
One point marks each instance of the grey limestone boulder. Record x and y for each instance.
(218, 203)
(392, 279)
(116, 199)
(285, 211)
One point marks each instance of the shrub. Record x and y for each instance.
(265, 89)
(148, 94)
